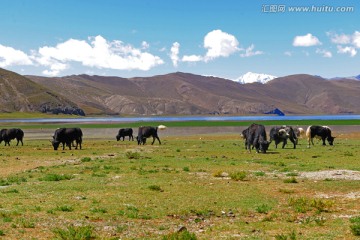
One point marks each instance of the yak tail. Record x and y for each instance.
(161, 127)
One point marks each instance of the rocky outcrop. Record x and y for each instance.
(72, 110)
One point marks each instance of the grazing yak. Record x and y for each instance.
(282, 134)
(255, 136)
(7, 135)
(145, 132)
(299, 132)
(123, 132)
(321, 132)
(67, 136)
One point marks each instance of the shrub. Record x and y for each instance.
(2, 233)
(238, 176)
(290, 236)
(155, 188)
(355, 226)
(86, 159)
(132, 155)
(291, 180)
(321, 205)
(292, 174)
(301, 205)
(11, 180)
(263, 208)
(65, 208)
(259, 174)
(186, 169)
(287, 191)
(26, 223)
(98, 210)
(74, 233)
(11, 191)
(180, 235)
(56, 177)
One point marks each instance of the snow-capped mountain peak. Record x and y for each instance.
(251, 77)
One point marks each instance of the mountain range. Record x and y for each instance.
(176, 94)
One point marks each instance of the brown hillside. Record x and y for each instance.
(19, 94)
(184, 93)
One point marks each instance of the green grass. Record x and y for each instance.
(213, 187)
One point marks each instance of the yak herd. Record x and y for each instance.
(254, 136)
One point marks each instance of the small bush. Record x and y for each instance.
(290, 236)
(355, 226)
(292, 174)
(86, 159)
(26, 223)
(12, 180)
(287, 191)
(56, 177)
(259, 174)
(65, 208)
(291, 180)
(186, 169)
(98, 210)
(301, 205)
(348, 154)
(132, 155)
(238, 176)
(181, 235)
(11, 191)
(155, 188)
(2, 233)
(263, 208)
(74, 233)
(321, 205)
(220, 174)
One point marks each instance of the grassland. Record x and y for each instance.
(205, 183)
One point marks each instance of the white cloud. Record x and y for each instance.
(174, 53)
(249, 52)
(343, 39)
(324, 53)
(55, 69)
(10, 56)
(356, 39)
(307, 40)
(219, 44)
(192, 58)
(340, 39)
(99, 53)
(145, 45)
(347, 50)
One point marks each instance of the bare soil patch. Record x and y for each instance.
(332, 174)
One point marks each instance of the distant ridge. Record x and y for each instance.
(20, 94)
(188, 94)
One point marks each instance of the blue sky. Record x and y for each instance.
(224, 38)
